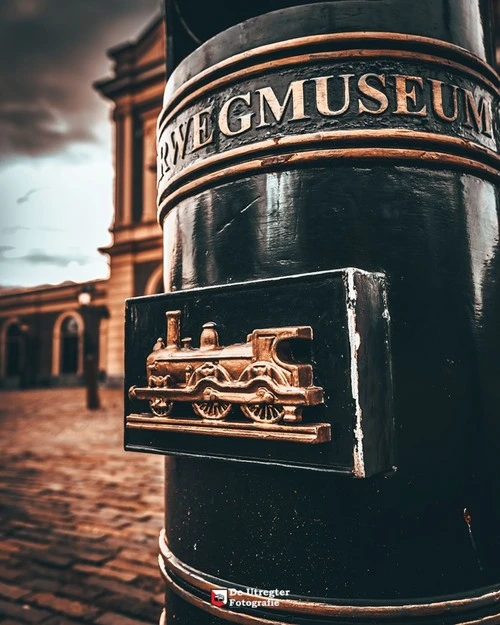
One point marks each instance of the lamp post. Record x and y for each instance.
(284, 181)
(91, 319)
(25, 355)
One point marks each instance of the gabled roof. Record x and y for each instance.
(145, 40)
(136, 61)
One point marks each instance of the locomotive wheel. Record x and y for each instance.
(263, 413)
(212, 409)
(161, 407)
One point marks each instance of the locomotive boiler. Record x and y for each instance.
(259, 376)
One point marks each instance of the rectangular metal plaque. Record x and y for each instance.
(291, 371)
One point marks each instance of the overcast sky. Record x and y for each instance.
(55, 135)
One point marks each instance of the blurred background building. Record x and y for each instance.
(47, 332)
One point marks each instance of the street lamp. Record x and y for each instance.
(26, 355)
(84, 298)
(91, 319)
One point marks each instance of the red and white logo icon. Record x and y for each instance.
(218, 597)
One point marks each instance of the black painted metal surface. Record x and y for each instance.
(465, 23)
(431, 225)
(400, 537)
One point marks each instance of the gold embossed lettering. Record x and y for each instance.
(322, 95)
(201, 134)
(295, 93)
(405, 95)
(162, 160)
(176, 142)
(245, 121)
(374, 94)
(437, 100)
(477, 114)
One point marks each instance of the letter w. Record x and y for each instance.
(177, 143)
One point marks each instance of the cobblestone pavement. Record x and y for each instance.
(79, 517)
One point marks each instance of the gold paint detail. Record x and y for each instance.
(478, 114)
(178, 144)
(406, 93)
(373, 93)
(201, 135)
(245, 121)
(488, 166)
(170, 111)
(256, 376)
(171, 565)
(295, 94)
(206, 78)
(301, 433)
(322, 95)
(437, 101)
(355, 136)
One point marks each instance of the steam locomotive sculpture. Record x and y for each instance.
(255, 375)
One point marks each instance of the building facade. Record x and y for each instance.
(47, 332)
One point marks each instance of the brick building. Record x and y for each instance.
(46, 331)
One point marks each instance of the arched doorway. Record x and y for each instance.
(13, 351)
(69, 346)
(154, 284)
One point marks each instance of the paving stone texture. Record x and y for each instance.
(79, 517)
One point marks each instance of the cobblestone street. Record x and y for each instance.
(79, 517)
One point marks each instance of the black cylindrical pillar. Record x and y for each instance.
(342, 134)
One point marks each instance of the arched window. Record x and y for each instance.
(69, 345)
(155, 282)
(13, 350)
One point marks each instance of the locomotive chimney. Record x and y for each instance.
(173, 328)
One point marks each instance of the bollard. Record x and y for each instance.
(327, 392)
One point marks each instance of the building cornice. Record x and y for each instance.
(117, 51)
(132, 81)
(133, 246)
(59, 294)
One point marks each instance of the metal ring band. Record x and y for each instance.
(233, 617)
(166, 116)
(210, 79)
(371, 137)
(422, 157)
(172, 569)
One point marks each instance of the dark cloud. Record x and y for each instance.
(38, 255)
(25, 198)
(50, 53)
(14, 229)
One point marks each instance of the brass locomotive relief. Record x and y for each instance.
(255, 376)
